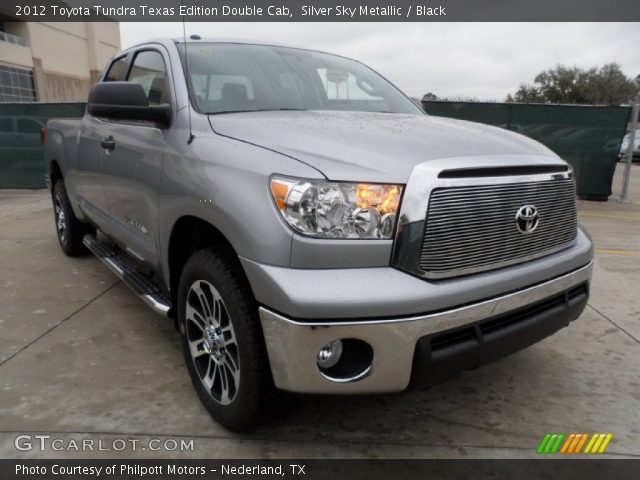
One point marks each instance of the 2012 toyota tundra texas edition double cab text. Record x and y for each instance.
(308, 227)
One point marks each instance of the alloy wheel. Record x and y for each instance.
(212, 342)
(61, 224)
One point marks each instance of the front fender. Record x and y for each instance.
(225, 183)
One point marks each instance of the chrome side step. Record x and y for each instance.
(141, 285)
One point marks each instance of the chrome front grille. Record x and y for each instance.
(473, 228)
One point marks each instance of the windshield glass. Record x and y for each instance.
(227, 77)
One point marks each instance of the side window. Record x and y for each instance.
(116, 70)
(148, 70)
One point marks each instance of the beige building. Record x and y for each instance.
(53, 61)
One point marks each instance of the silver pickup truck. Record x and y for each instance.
(308, 227)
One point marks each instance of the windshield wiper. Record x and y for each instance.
(261, 110)
(231, 111)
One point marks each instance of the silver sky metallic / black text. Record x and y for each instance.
(365, 11)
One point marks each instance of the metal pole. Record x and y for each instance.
(632, 142)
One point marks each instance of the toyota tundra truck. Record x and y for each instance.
(308, 227)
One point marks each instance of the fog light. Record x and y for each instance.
(330, 354)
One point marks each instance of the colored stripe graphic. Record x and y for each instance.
(605, 442)
(567, 443)
(577, 443)
(581, 443)
(573, 443)
(550, 443)
(598, 442)
(543, 443)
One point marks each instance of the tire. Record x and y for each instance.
(222, 341)
(69, 229)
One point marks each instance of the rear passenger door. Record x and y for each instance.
(133, 166)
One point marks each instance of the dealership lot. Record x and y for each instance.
(81, 358)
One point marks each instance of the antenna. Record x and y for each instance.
(186, 71)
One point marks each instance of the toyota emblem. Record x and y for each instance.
(527, 219)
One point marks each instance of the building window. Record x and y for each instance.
(16, 85)
(9, 38)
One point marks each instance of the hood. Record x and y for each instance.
(370, 147)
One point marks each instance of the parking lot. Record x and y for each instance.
(82, 357)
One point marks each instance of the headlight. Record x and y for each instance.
(337, 209)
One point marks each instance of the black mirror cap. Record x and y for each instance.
(125, 101)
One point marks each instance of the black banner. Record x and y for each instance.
(323, 10)
(319, 469)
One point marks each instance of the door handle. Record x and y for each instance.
(108, 143)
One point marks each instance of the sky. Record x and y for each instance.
(485, 61)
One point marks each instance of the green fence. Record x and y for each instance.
(21, 154)
(588, 137)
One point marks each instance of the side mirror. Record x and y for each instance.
(125, 101)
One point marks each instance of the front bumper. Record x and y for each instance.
(424, 349)
(386, 292)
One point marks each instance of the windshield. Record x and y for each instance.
(227, 77)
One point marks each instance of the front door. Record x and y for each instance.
(133, 165)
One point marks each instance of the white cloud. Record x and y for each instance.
(481, 60)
